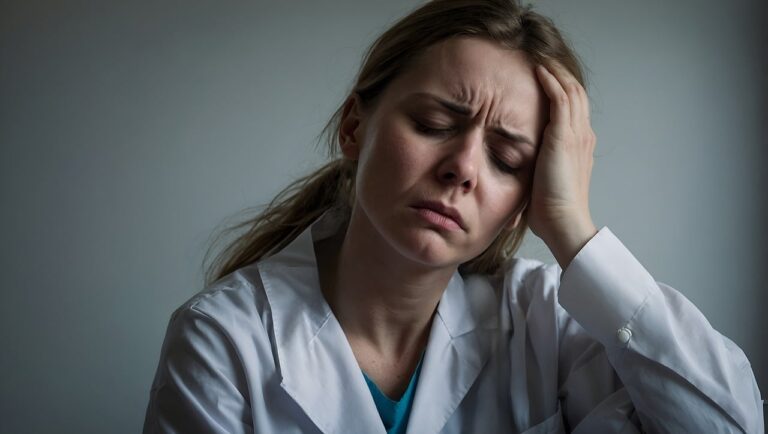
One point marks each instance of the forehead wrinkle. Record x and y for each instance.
(467, 95)
(462, 94)
(468, 84)
(482, 88)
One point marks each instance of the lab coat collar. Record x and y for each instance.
(317, 365)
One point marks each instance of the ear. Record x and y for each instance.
(350, 133)
(513, 222)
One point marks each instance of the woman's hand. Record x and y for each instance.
(559, 209)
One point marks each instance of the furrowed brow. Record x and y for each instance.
(466, 111)
(514, 136)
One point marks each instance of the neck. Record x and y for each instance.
(382, 300)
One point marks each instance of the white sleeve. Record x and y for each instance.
(676, 374)
(199, 384)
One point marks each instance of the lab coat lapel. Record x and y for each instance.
(460, 343)
(318, 369)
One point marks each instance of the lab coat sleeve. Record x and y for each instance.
(676, 374)
(198, 387)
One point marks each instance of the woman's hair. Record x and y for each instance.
(292, 210)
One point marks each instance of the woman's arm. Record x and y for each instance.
(676, 374)
(679, 375)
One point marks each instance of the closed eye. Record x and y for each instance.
(503, 166)
(432, 131)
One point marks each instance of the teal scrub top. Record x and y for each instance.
(395, 414)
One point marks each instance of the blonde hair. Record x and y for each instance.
(503, 21)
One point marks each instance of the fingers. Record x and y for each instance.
(561, 84)
(568, 100)
(559, 101)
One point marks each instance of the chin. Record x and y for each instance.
(429, 248)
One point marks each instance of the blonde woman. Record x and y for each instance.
(381, 294)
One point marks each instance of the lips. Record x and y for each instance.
(444, 210)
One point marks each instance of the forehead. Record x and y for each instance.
(478, 73)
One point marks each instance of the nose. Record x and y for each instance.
(460, 166)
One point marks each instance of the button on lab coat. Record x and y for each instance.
(599, 348)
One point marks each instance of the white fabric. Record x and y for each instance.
(604, 350)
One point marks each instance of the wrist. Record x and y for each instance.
(566, 242)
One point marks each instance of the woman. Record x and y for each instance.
(380, 294)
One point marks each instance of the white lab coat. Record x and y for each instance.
(602, 349)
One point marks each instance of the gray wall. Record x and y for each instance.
(129, 130)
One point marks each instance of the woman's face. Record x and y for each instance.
(459, 129)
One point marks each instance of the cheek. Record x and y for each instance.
(503, 203)
(395, 155)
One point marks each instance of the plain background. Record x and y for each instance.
(130, 130)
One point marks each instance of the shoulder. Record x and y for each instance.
(225, 330)
(234, 304)
(214, 351)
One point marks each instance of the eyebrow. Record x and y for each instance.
(466, 111)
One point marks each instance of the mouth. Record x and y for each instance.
(440, 214)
